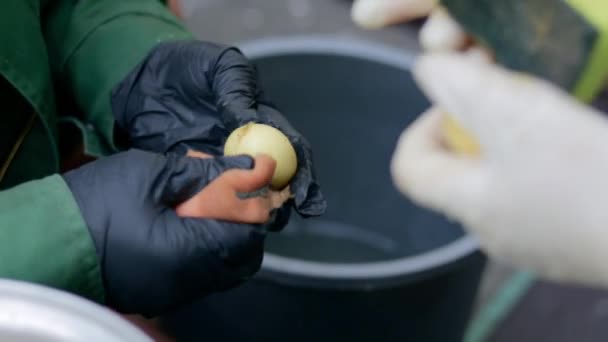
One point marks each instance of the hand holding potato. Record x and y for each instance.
(220, 199)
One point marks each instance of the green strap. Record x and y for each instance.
(499, 307)
(13, 152)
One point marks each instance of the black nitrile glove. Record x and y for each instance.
(152, 260)
(192, 95)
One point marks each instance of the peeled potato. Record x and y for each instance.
(254, 138)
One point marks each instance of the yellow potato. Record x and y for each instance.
(253, 139)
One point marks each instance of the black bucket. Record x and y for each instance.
(375, 267)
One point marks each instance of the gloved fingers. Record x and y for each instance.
(235, 83)
(235, 250)
(183, 176)
(245, 181)
(493, 104)
(204, 256)
(268, 114)
(279, 218)
(373, 14)
(431, 176)
(308, 198)
(219, 200)
(442, 33)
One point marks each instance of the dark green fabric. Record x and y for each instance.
(78, 49)
(24, 63)
(43, 238)
(94, 44)
(17, 114)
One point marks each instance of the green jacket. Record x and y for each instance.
(59, 60)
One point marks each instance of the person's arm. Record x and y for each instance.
(107, 231)
(43, 239)
(93, 45)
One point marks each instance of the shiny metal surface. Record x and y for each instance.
(33, 313)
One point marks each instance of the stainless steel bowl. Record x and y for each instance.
(34, 313)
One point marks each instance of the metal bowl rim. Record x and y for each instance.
(33, 300)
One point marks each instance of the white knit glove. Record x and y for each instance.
(440, 31)
(538, 195)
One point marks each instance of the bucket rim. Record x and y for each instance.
(366, 272)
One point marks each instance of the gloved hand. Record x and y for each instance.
(375, 14)
(152, 260)
(190, 95)
(536, 197)
(439, 33)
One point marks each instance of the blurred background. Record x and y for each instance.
(509, 305)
